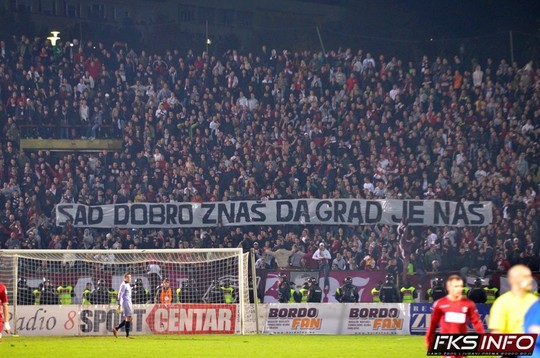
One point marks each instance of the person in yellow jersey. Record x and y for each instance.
(65, 293)
(228, 292)
(86, 294)
(294, 293)
(303, 293)
(113, 295)
(492, 292)
(508, 311)
(408, 293)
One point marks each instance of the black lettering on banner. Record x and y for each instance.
(86, 321)
(440, 214)
(223, 211)
(327, 213)
(404, 211)
(340, 208)
(272, 313)
(172, 212)
(279, 214)
(378, 212)
(302, 210)
(157, 214)
(243, 213)
(416, 215)
(121, 215)
(63, 209)
(95, 215)
(206, 217)
(80, 216)
(37, 322)
(355, 213)
(51, 323)
(183, 208)
(293, 312)
(301, 312)
(472, 210)
(374, 313)
(259, 215)
(135, 209)
(138, 313)
(460, 214)
(363, 313)
(100, 317)
(111, 320)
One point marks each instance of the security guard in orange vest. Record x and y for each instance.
(164, 293)
(492, 292)
(408, 293)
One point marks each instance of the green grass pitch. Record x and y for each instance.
(255, 346)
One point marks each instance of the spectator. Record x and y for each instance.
(322, 257)
(339, 263)
(273, 130)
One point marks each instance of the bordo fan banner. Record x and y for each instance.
(277, 212)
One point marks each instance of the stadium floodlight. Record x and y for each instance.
(54, 38)
(198, 277)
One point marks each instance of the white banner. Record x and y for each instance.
(277, 212)
(73, 320)
(347, 318)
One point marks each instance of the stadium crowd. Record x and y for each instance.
(266, 125)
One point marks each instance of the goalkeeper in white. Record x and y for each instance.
(4, 318)
(124, 305)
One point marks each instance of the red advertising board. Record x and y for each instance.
(192, 319)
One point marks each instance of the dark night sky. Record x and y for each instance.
(449, 18)
(406, 26)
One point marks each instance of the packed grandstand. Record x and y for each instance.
(273, 124)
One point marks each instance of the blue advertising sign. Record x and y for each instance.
(421, 316)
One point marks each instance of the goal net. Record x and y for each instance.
(65, 292)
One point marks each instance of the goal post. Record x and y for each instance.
(207, 290)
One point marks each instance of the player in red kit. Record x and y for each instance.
(451, 313)
(4, 317)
